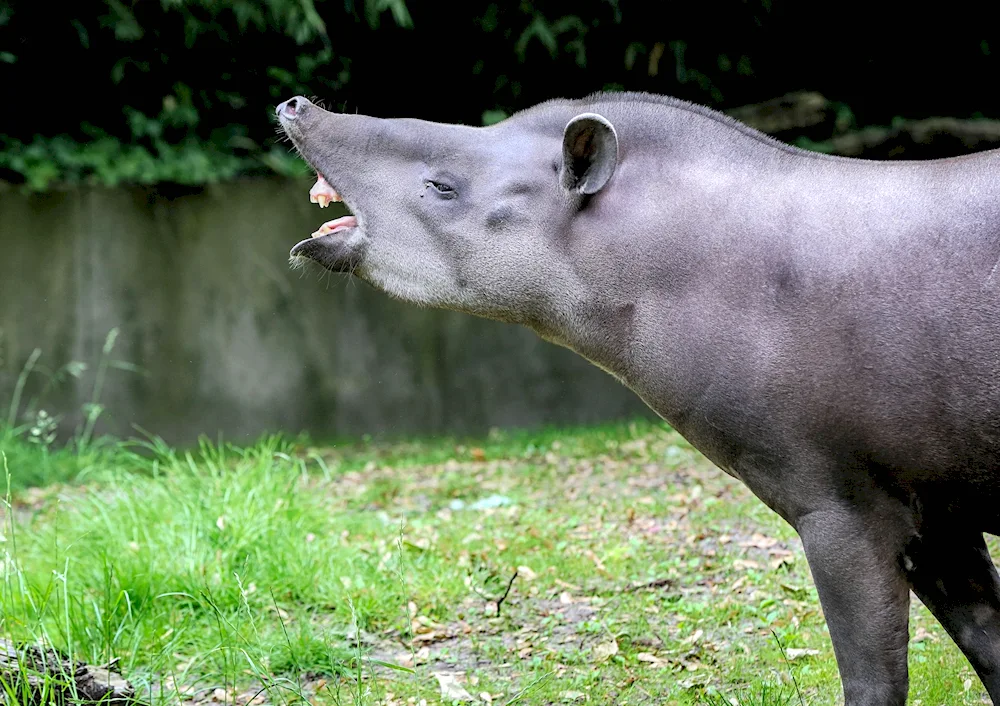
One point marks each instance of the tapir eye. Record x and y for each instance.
(444, 190)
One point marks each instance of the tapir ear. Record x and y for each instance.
(590, 153)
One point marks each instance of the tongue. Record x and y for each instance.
(322, 193)
(342, 223)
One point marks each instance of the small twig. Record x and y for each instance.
(790, 672)
(506, 593)
(111, 664)
(655, 583)
(499, 601)
(524, 692)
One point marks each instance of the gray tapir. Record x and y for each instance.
(824, 329)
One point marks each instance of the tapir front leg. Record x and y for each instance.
(855, 558)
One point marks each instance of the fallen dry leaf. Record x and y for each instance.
(432, 636)
(777, 562)
(451, 690)
(282, 613)
(423, 624)
(596, 559)
(606, 650)
(564, 584)
(652, 660)
(759, 541)
(692, 665)
(526, 573)
(694, 637)
(795, 652)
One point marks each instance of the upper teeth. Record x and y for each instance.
(322, 193)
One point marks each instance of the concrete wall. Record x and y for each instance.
(233, 341)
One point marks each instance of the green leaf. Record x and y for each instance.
(400, 13)
(390, 665)
(539, 29)
(491, 117)
(125, 25)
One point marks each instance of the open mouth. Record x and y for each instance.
(331, 244)
(323, 194)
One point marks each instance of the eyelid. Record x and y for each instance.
(446, 190)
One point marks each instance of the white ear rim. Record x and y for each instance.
(596, 117)
(581, 187)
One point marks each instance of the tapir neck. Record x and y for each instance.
(677, 239)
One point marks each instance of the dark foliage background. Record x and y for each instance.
(182, 91)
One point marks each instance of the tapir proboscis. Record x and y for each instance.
(824, 329)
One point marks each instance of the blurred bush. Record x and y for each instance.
(183, 91)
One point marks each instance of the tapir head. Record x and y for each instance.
(475, 219)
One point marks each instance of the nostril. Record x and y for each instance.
(288, 109)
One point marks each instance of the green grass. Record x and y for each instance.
(350, 573)
(35, 465)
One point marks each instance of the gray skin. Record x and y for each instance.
(824, 329)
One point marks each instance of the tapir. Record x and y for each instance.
(824, 329)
